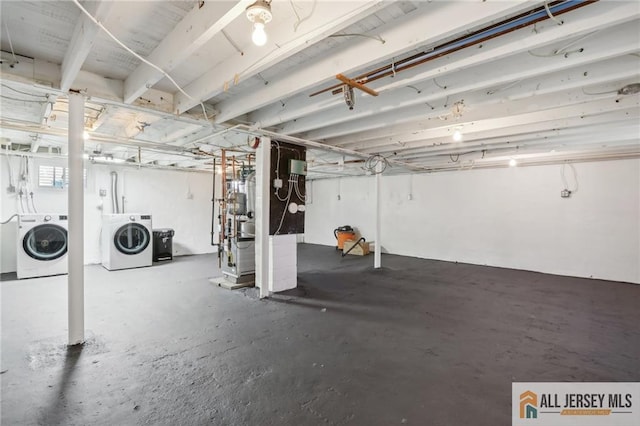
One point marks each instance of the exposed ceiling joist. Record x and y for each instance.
(44, 77)
(410, 32)
(195, 30)
(483, 119)
(285, 42)
(545, 130)
(81, 43)
(495, 54)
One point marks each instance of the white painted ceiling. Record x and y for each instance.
(560, 89)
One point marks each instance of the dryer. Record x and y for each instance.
(42, 245)
(126, 241)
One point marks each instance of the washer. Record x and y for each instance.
(126, 241)
(42, 245)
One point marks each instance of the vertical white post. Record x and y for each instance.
(377, 256)
(263, 194)
(76, 219)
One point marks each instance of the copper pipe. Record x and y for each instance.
(391, 69)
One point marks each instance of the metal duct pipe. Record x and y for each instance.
(115, 208)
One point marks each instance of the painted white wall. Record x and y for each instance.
(511, 217)
(175, 199)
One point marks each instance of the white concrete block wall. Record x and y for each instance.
(283, 262)
(178, 200)
(511, 217)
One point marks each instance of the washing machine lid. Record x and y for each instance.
(45, 242)
(131, 238)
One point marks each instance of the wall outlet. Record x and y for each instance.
(11, 189)
(103, 192)
(277, 183)
(565, 193)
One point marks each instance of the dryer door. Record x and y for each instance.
(45, 242)
(131, 238)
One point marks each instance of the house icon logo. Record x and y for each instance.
(528, 405)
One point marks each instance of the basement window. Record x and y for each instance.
(56, 177)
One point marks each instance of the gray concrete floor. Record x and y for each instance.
(418, 342)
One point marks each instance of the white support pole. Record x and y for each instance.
(76, 219)
(263, 194)
(377, 256)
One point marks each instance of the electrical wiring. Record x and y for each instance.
(24, 183)
(32, 203)
(278, 195)
(277, 160)
(508, 86)
(21, 92)
(277, 190)
(22, 210)
(301, 20)
(564, 178)
(10, 170)
(553, 18)
(373, 37)
(371, 163)
(33, 101)
(286, 205)
(15, 60)
(152, 65)
(563, 49)
(9, 220)
(302, 197)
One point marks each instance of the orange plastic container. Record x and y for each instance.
(343, 234)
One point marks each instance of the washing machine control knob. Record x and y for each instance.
(47, 218)
(132, 218)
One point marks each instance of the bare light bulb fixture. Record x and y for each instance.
(260, 14)
(513, 162)
(457, 135)
(259, 35)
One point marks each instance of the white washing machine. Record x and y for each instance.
(126, 241)
(42, 245)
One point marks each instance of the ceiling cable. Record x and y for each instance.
(373, 37)
(23, 100)
(553, 18)
(564, 178)
(21, 92)
(164, 73)
(301, 20)
(15, 60)
(232, 43)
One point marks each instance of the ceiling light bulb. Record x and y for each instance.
(457, 135)
(259, 36)
(85, 135)
(513, 162)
